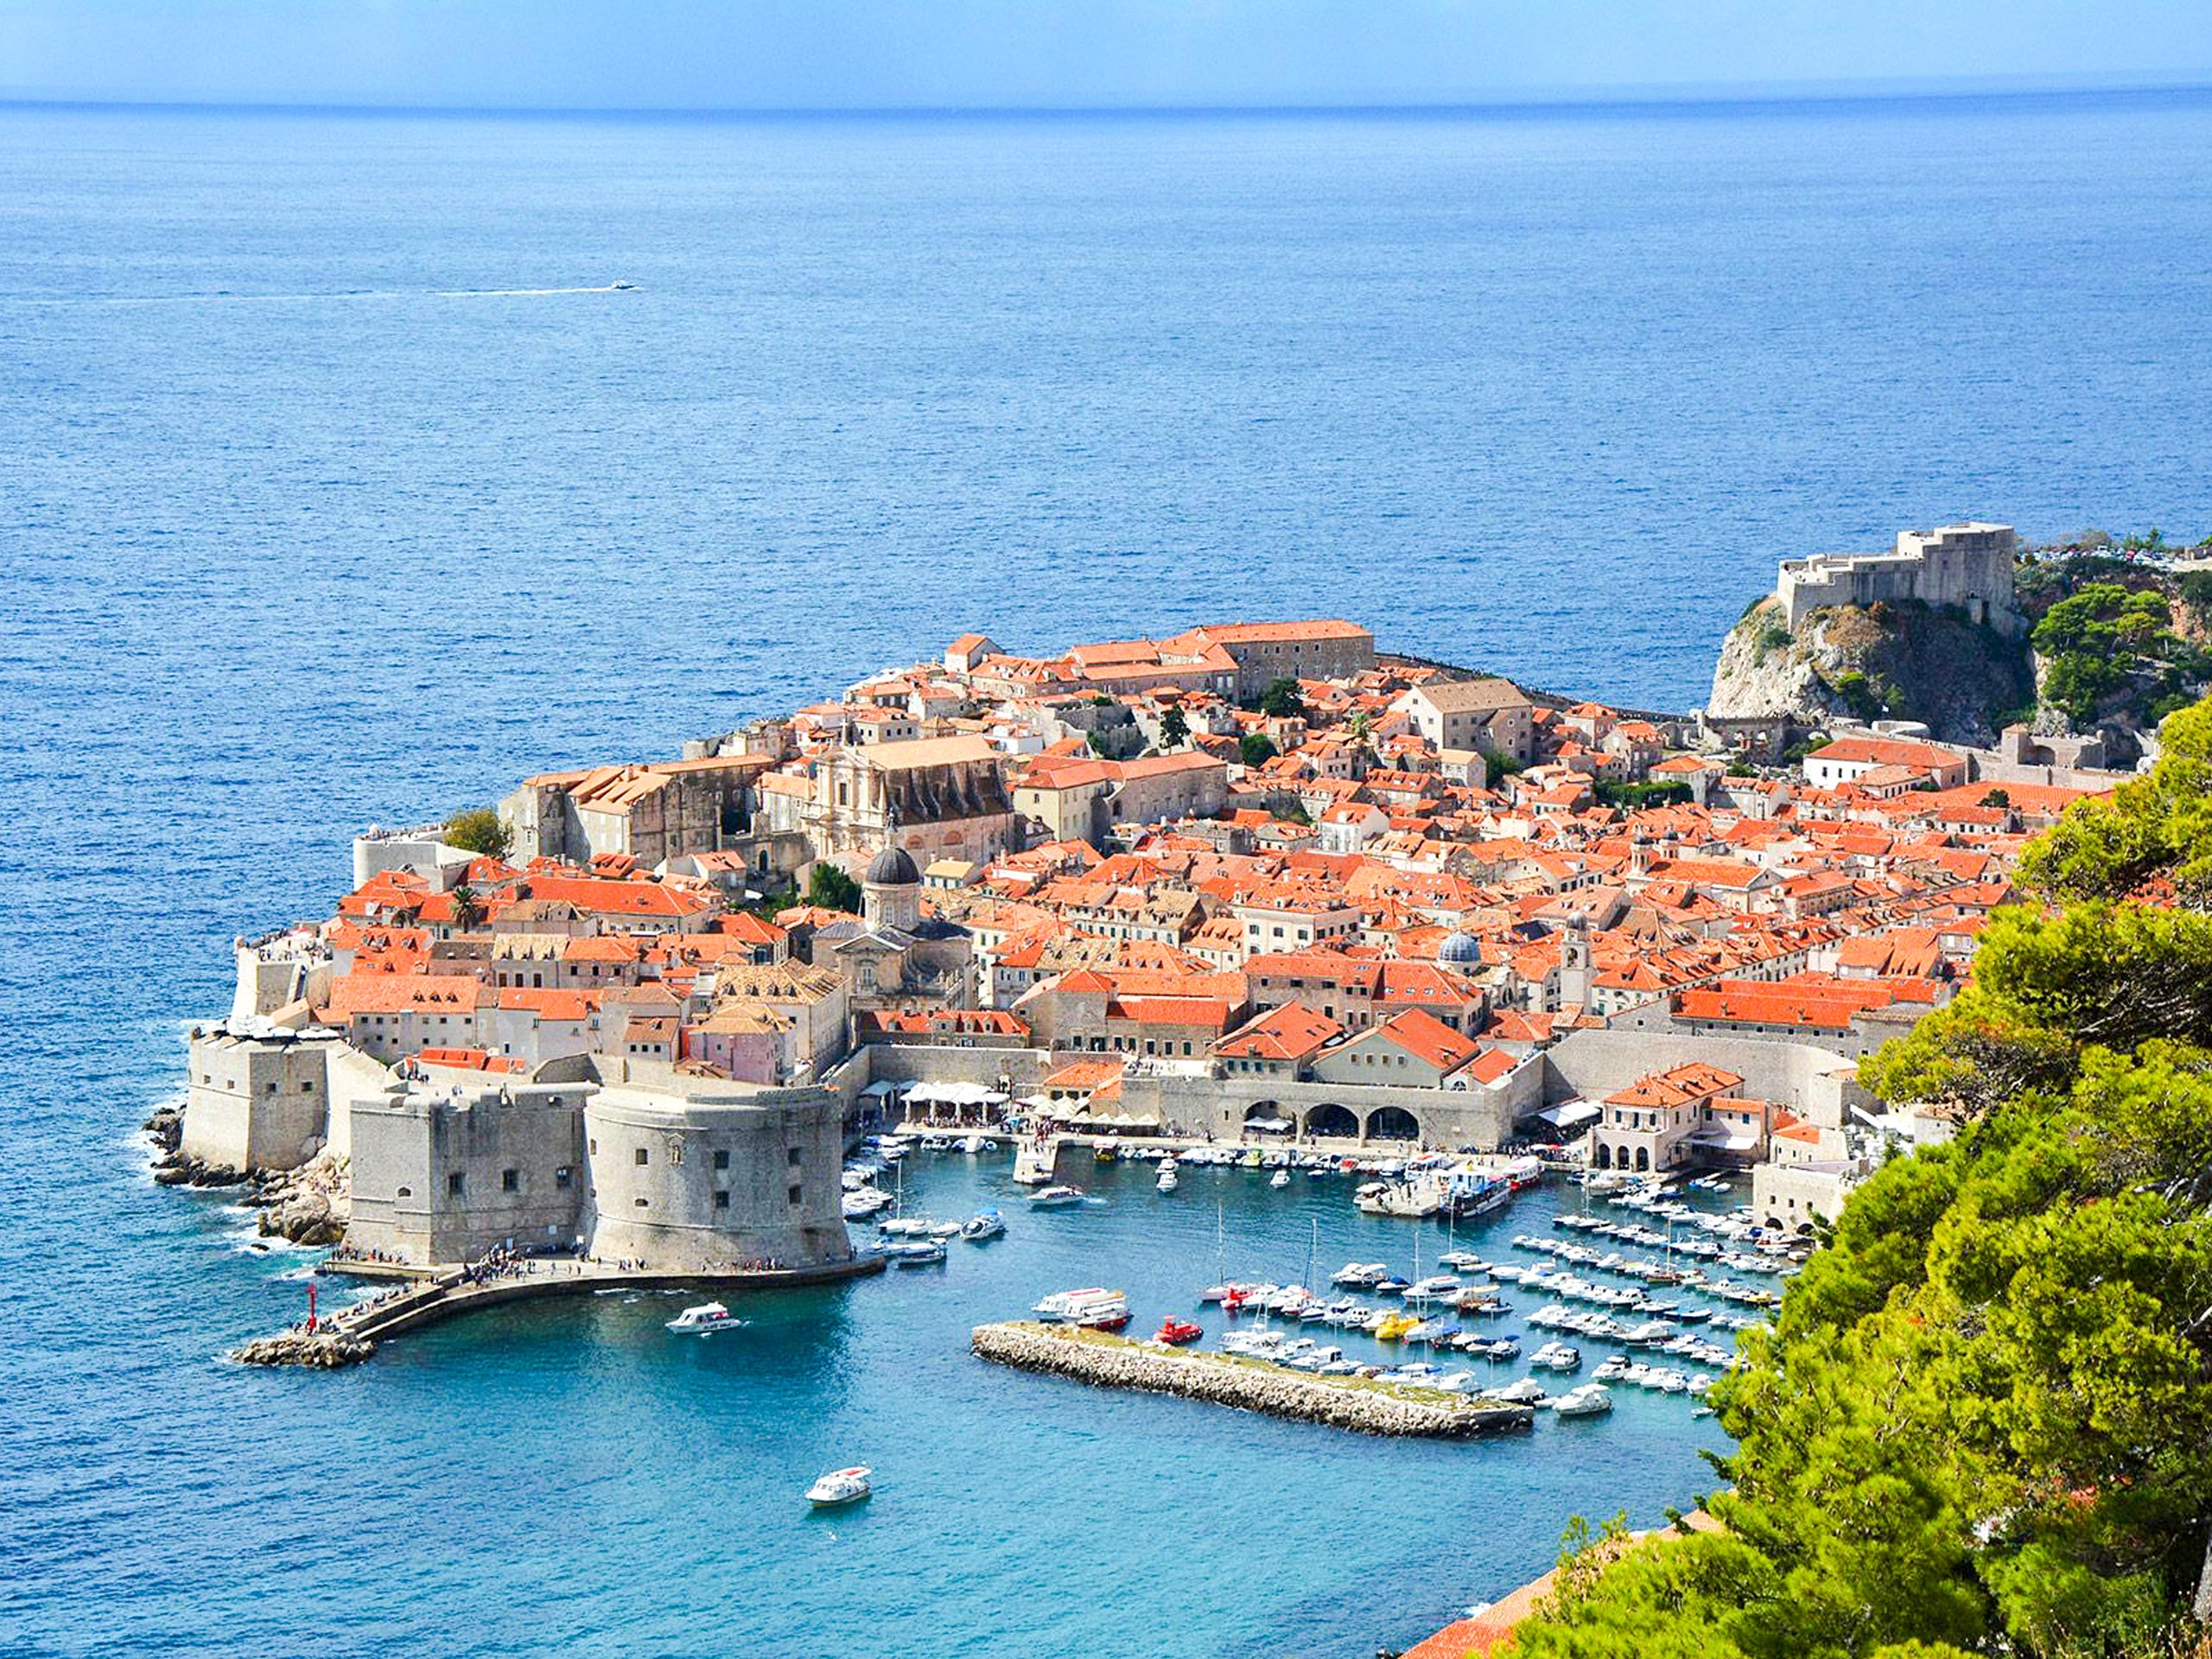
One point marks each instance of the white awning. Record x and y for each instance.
(954, 1094)
(1268, 1125)
(878, 1091)
(1567, 1117)
(1726, 1142)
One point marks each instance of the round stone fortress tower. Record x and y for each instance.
(715, 1180)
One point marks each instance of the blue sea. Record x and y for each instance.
(337, 487)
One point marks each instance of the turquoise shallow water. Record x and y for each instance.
(293, 538)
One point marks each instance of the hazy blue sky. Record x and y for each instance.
(782, 54)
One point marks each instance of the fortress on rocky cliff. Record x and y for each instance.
(1968, 565)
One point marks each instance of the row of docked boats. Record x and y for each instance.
(1658, 1379)
(1318, 1358)
(1663, 1335)
(919, 1241)
(1665, 1275)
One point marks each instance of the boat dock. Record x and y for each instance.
(1360, 1404)
(427, 1297)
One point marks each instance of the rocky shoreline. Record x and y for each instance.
(322, 1351)
(307, 1205)
(1113, 1362)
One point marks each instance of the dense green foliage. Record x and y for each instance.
(1633, 797)
(1282, 700)
(467, 908)
(1174, 730)
(1982, 1422)
(1864, 699)
(832, 889)
(478, 829)
(1255, 749)
(2105, 640)
(2159, 826)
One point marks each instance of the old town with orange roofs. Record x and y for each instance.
(1258, 884)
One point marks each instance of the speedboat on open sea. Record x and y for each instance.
(840, 1486)
(704, 1319)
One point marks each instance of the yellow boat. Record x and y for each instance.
(1395, 1328)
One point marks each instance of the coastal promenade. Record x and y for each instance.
(423, 1297)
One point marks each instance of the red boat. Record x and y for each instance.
(1175, 1332)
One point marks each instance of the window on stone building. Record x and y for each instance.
(509, 1180)
(456, 1184)
(562, 1178)
(721, 1159)
(795, 1193)
(643, 1157)
(792, 1157)
(722, 1200)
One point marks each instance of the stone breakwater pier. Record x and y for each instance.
(1366, 1407)
(350, 1336)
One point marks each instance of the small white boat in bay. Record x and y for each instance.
(841, 1486)
(1055, 1198)
(1591, 1400)
(704, 1319)
(1166, 1183)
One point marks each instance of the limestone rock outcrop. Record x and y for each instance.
(1894, 662)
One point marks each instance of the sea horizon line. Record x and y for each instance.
(1929, 94)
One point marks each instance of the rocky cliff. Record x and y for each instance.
(1887, 662)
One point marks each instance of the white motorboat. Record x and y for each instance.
(840, 1486)
(1360, 1276)
(1526, 1392)
(704, 1320)
(914, 1252)
(1101, 1309)
(1435, 1289)
(865, 1201)
(1166, 1183)
(982, 1225)
(1556, 1356)
(622, 285)
(1591, 1400)
(1279, 1180)
(1054, 1197)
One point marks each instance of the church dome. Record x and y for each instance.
(892, 868)
(1460, 950)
